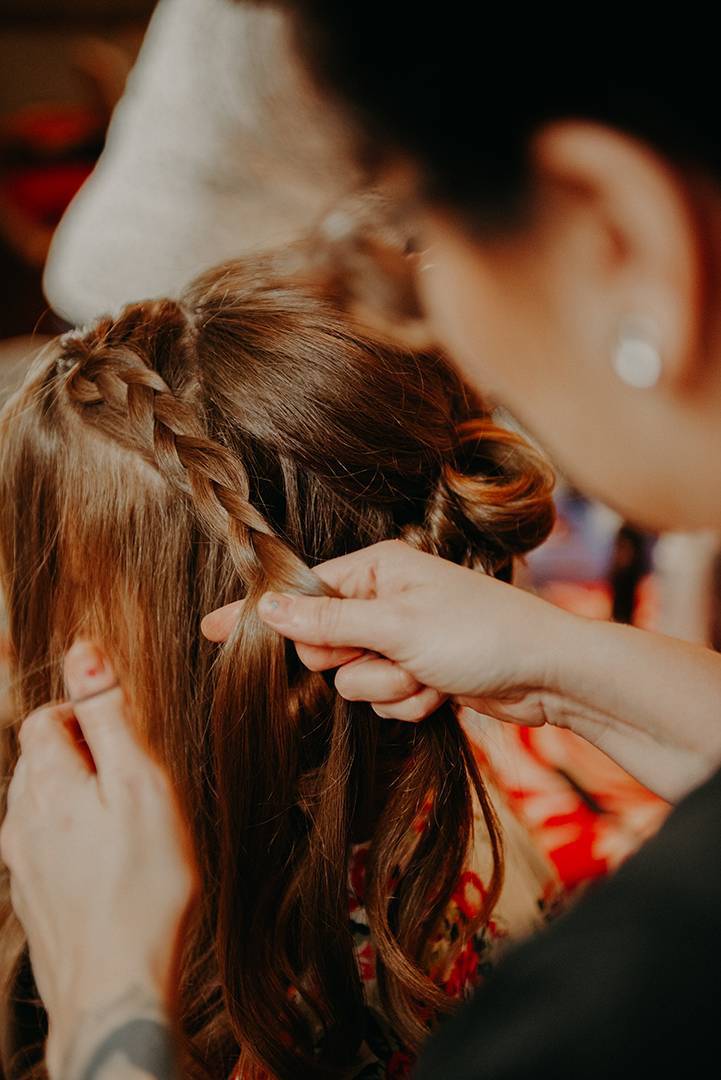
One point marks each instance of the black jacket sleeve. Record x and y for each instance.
(626, 984)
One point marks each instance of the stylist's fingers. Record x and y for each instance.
(123, 764)
(411, 709)
(218, 625)
(319, 621)
(373, 678)
(325, 620)
(44, 724)
(318, 658)
(386, 574)
(48, 767)
(101, 709)
(49, 752)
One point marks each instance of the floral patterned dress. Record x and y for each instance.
(568, 816)
(583, 810)
(531, 892)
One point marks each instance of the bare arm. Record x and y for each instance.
(652, 703)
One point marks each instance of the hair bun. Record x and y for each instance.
(494, 503)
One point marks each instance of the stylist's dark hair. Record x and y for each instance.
(461, 87)
(181, 456)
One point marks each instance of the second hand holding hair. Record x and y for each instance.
(110, 818)
(442, 630)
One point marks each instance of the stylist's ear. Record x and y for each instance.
(638, 251)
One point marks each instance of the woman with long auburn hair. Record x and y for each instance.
(183, 455)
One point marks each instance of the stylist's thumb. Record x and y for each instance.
(100, 706)
(323, 620)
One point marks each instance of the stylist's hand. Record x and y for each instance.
(433, 629)
(101, 876)
(439, 629)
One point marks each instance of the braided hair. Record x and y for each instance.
(186, 454)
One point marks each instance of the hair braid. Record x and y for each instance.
(170, 432)
(196, 465)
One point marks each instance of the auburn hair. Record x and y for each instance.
(184, 455)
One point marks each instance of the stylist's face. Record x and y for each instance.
(533, 318)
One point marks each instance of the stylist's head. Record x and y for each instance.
(567, 160)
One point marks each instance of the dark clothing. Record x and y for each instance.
(628, 984)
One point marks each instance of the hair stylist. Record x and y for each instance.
(567, 172)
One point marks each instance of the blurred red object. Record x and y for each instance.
(51, 129)
(44, 191)
(46, 153)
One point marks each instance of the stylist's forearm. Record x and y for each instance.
(652, 703)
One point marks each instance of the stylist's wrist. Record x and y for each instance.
(526, 670)
(81, 1042)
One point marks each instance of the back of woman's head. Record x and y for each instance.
(185, 455)
(462, 88)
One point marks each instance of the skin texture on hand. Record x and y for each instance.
(430, 629)
(413, 630)
(101, 874)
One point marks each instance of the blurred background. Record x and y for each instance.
(63, 65)
(63, 68)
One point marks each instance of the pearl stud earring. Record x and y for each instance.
(636, 357)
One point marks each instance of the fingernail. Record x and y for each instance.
(275, 606)
(86, 669)
(86, 659)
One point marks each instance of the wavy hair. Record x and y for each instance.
(186, 454)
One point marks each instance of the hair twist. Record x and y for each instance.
(490, 503)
